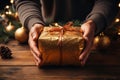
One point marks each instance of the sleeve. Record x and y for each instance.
(29, 12)
(103, 13)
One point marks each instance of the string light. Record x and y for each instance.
(56, 24)
(117, 20)
(11, 1)
(118, 31)
(7, 12)
(7, 7)
(3, 16)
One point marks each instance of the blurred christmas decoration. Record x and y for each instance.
(11, 1)
(117, 20)
(9, 22)
(101, 41)
(114, 32)
(16, 16)
(5, 52)
(119, 32)
(21, 34)
(10, 28)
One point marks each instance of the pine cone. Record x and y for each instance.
(5, 52)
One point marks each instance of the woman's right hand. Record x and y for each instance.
(33, 42)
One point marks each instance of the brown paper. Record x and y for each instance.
(57, 49)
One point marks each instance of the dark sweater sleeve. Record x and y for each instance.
(29, 12)
(103, 13)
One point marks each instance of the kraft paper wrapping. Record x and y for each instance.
(64, 50)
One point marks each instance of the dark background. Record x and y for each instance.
(3, 3)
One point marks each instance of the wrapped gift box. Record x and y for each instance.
(61, 45)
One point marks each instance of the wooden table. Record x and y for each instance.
(100, 66)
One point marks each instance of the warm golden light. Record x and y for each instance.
(3, 16)
(11, 1)
(7, 12)
(56, 24)
(7, 6)
(117, 20)
(118, 31)
(119, 5)
(10, 12)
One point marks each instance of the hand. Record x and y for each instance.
(88, 29)
(33, 38)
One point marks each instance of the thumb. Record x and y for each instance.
(34, 35)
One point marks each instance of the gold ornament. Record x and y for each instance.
(102, 41)
(10, 28)
(21, 35)
(16, 16)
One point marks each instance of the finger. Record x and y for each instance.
(35, 57)
(34, 36)
(37, 60)
(35, 51)
(85, 59)
(33, 45)
(34, 48)
(84, 55)
(35, 31)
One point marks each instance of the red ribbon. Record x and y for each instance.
(66, 27)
